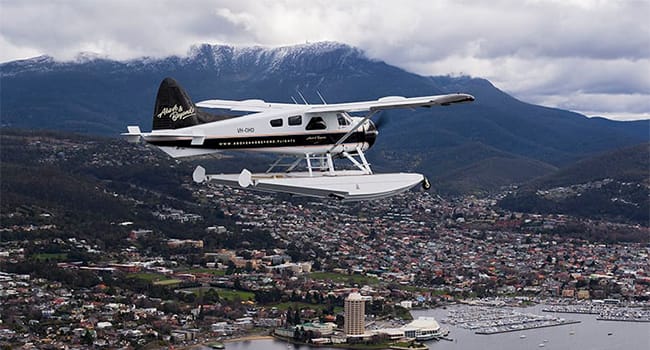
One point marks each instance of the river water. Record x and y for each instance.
(589, 334)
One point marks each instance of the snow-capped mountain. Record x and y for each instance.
(317, 56)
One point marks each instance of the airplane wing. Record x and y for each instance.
(390, 102)
(247, 105)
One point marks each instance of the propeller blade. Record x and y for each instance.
(381, 121)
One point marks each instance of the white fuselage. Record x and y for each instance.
(274, 131)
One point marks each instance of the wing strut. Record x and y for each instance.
(364, 166)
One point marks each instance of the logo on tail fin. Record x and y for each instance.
(174, 109)
(176, 113)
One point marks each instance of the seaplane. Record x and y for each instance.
(308, 139)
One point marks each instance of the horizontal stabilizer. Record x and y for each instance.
(197, 140)
(133, 134)
(180, 152)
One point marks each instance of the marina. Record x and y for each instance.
(589, 333)
(605, 312)
(488, 320)
(624, 317)
(531, 325)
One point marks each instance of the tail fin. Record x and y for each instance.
(174, 109)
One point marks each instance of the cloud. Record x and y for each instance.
(608, 105)
(11, 51)
(538, 50)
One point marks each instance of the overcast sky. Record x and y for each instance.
(589, 56)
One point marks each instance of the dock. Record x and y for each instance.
(487, 320)
(605, 312)
(506, 329)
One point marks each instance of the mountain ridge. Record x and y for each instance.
(614, 184)
(101, 96)
(206, 55)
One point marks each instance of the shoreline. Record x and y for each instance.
(622, 319)
(296, 342)
(339, 346)
(247, 338)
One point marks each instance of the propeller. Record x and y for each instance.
(382, 120)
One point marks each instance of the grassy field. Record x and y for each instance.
(231, 294)
(147, 276)
(156, 279)
(50, 256)
(168, 282)
(214, 272)
(343, 278)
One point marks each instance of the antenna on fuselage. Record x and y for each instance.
(303, 97)
(321, 97)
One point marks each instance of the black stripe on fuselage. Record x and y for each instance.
(264, 141)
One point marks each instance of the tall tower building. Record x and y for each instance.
(355, 314)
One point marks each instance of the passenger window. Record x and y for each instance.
(343, 121)
(316, 123)
(276, 123)
(295, 120)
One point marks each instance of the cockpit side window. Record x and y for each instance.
(342, 119)
(316, 123)
(276, 122)
(295, 120)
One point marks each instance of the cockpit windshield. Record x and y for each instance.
(343, 119)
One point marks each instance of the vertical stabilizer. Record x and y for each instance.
(174, 109)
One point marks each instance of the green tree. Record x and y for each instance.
(296, 317)
(231, 268)
(289, 318)
(211, 296)
(87, 338)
